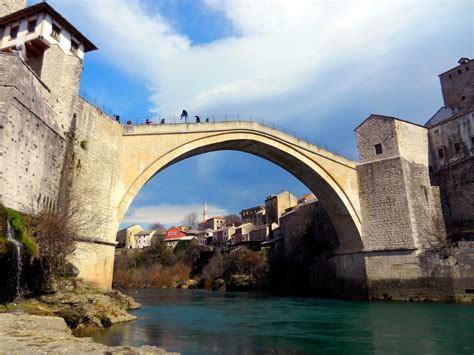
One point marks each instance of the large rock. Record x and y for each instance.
(28, 334)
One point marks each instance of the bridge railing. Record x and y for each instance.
(166, 120)
(236, 118)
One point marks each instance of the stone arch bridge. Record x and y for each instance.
(382, 208)
(142, 151)
(148, 149)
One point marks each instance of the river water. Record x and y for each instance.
(202, 322)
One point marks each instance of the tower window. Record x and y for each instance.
(467, 68)
(14, 32)
(450, 76)
(74, 47)
(55, 32)
(472, 141)
(440, 153)
(463, 98)
(457, 147)
(378, 149)
(31, 26)
(459, 71)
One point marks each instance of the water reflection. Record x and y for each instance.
(197, 322)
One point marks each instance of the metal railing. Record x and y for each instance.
(97, 104)
(167, 120)
(235, 118)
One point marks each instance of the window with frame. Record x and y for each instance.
(472, 141)
(14, 32)
(440, 153)
(378, 149)
(56, 32)
(74, 47)
(31, 26)
(457, 147)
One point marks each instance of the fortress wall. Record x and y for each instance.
(93, 178)
(32, 146)
(62, 74)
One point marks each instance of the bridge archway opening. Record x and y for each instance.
(320, 182)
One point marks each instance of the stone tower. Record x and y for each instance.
(457, 84)
(52, 47)
(400, 209)
(9, 6)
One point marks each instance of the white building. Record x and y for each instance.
(143, 238)
(37, 28)
(173, 242)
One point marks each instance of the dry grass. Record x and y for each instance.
(152, 276)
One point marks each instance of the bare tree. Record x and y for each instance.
(233, 219)
(191, 220)
(159, 227)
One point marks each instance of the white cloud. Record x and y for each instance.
(279, 65)
(166, 213)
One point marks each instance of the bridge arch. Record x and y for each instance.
(147, 150)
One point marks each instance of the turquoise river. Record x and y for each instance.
(203, 322)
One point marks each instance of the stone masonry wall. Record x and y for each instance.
(94, 175)
(31, 144)
(62, 73)
(9, 6)
(384, 206)
(456, 183)
(457, 85)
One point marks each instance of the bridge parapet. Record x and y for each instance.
(241, 124)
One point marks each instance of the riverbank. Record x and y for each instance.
(22, 333)
(84, 308)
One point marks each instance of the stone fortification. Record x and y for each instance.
(94, 178)
(457, 84)
(61, 72)
(32, 143)
(402, 224)
(400, 208)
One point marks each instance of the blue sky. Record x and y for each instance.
(316, 67)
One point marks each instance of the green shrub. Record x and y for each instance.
(17, 222)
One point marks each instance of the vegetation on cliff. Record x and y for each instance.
(19, 223)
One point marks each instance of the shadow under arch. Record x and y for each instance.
(341, 210)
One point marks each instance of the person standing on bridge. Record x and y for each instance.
(207, 120)
(198, 119)
(184, 115)
(147, 121)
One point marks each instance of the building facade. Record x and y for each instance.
(451, 142)
(144, 238)
(254, 215)
(276, 205)
(126, 237)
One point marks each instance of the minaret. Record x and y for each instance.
(204, 214)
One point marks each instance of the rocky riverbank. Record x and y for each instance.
(84, 308)
(30, 334)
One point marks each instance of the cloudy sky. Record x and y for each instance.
(317, 67)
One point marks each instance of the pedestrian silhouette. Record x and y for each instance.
(198, 119)
(207, 119)
(147, 121)
(162, 121)
(129, 122)
(184, 115)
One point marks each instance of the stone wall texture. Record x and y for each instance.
(32, 145)
(457, 85)
(9, 6)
